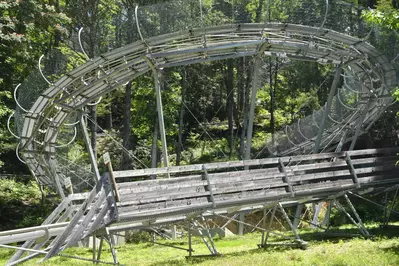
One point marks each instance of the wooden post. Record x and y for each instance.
(107, 162)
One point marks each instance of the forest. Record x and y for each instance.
(205, 105)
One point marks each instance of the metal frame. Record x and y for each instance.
(72, 92)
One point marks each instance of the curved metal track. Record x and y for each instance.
(169, 200)
(97, 77)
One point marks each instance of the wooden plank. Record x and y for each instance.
(182, 184)
(155, 185)
(241, 180)
(134, 199)
(199, 191)
(162, 205)
(258, 162)
(152, 182)
(164, 190)
(248, 194)
(158, 213)
(339, 174)
(327, 184)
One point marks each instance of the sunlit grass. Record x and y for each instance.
(382, 250)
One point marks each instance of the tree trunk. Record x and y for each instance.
(230, 103)
(181, 119)
(154, 149)
(273, 101)
(93, 130)
(245, 105)
(259, 12)
(272, 126)
(108, 118)
(126, 134)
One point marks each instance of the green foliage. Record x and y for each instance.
(21, 204)
(243, 251)
(4, 113)
(385, 15)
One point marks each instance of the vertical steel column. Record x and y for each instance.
(263, 225)
(315, 221)
(326, 221)
(333, 89)
(270, 226)
(297, 217)
(87, 141)
(94, 246)
(252, 110)
(157, 76)
(100, 248)
(359, 125)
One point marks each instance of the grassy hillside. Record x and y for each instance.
(383, 250)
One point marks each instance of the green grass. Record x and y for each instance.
(383, 250)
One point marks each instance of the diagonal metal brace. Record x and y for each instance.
(352, 170)
(286, 178)
(209, 187)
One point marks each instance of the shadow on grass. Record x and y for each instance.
(334, 235)
(311, 236)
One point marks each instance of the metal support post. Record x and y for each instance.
(94, 247)
(286, 177)
(174, 236)
(375, 203)
(209, 187)
(333, 89)
(263, 225)
(100, 248)
(87, 141)
(203, 238)
(359, 125)
(215, 252)
(326, 221)
(315, 220)
(112, 246)
(241, 225)
(265, 238)
(252, 110)
(339, 206)
(352, 170)
(297, 217)
(356, 215)
(157, 76)
(289, 222)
